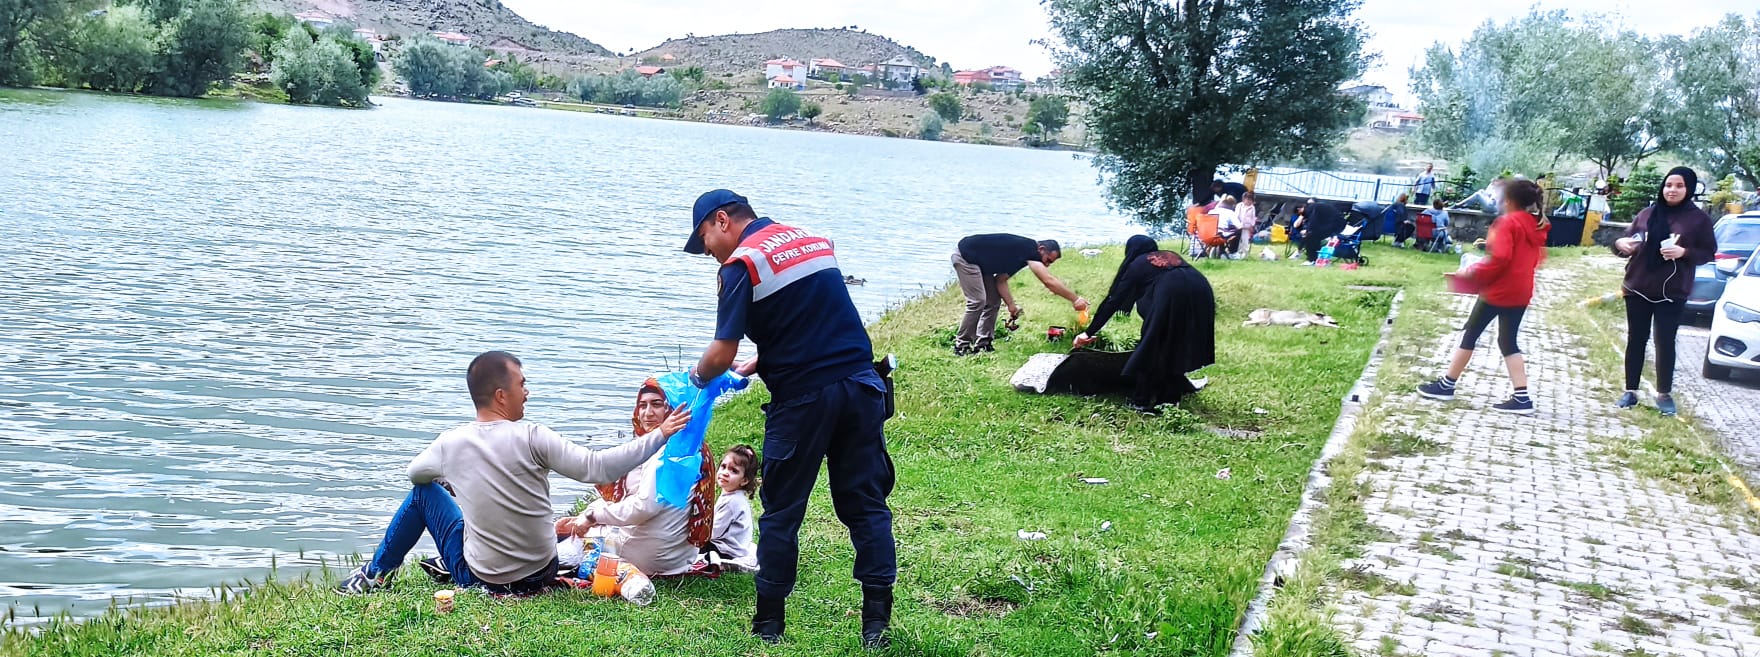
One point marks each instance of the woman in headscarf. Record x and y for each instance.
(660, 540)
(1178, 309)
(1664, 244)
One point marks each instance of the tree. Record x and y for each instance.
(930, 127)
(366, 62)
(19, 19)
(947, 104)
(1529, 92)
(780, 103)
(204, 44)
(810, 111)
(1714, 101)
(268, 31)
(1176, 90)
(322, 72)
(427, 67)
(115, 52)
(1048, 115)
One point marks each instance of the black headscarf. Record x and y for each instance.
(1134, 247)
(1658, 228)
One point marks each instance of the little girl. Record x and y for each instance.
(1505, 280)
(732, 537)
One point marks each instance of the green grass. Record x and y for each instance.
(976, 462)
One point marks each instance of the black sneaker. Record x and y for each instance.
(1438, 390)
(358, 583)
(436, 570)
(1516, 406)
(1666, 405)
(959, 351)
(985, 348)
(1627, 400)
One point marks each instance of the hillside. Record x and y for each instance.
(488, 22)
(747, 52)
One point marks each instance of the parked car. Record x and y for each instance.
(1735, 326)
(1737, 237)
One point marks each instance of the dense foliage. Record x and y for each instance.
(630, 88)
(432, 68)
(1524, 94)
(1174, 90)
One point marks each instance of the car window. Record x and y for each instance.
(1738, 234)
(1754, 265)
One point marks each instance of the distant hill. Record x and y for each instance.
(748, 52)
(487, 22)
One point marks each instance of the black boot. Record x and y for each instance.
(767, 623)
(876, 616)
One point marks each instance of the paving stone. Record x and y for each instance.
(1530, 490)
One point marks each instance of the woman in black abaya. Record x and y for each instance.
(1178, 309)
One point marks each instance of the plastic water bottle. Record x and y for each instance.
(638, 588)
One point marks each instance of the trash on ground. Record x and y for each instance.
(1106, 526)
(1095, 481)
(1224, 474)
(1260, 411)
(1030, 536)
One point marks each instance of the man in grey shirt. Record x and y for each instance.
(498, 533)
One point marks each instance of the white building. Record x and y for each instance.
(315, 19)
(454, 38)
(899, 70)
(1373, 94)
(823, 68)
(794, 72)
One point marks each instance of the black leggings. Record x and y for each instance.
(1640, 316)
(1509, 322)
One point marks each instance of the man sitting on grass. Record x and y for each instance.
(498, 534)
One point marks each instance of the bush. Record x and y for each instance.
(930, 127)
(810, 111)
(947, 105)
(1636, 193)
(323, 72)
(431, 68)
(780, 103)
(115, 52)
(204, 43)
(630, 88)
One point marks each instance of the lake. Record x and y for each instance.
(227, 327)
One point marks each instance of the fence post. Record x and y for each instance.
(1377, 198)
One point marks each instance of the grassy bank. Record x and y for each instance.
(976, 461)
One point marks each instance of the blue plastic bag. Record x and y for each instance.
(681, 461)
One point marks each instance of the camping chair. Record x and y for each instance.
(1430, 238)
(1207, 232)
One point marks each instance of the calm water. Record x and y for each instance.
(226, 328)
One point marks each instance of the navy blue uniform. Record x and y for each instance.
(827, 404)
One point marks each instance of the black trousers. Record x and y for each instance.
(842, 425)
(1509, 323)
(1641, 316)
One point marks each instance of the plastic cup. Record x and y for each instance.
(443, 600)
(605, 576)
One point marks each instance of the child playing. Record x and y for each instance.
(1505, 280)
(1440, 241)
(732, 538)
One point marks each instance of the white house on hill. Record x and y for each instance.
(899, 70)
(315, 19)
(785, 74)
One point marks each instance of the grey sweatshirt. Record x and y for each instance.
(501, 473)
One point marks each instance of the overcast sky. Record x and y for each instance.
(977, 33)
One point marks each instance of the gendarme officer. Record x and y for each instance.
(780, 286)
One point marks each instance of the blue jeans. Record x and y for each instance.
(841, 425)
(429, 507)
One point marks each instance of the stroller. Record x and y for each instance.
(1349, 245)
(1431, 238)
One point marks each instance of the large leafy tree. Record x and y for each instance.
(427, 66)
(115, 52)
(1177, 89)
(1714, 101)
(204, 44)
(19, 19)
(1527, 93)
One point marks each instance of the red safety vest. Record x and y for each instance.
(777, 256)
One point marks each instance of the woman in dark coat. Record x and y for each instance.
(1665, 243)
(1321, 222)
(1178, 309)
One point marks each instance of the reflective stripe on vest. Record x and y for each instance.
(778, 255)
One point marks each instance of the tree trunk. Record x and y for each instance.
(1200, 178)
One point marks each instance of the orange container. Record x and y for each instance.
(605, 577)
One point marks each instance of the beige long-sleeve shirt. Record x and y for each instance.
(501, 474)
(655, 537)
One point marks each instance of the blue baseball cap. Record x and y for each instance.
(706, 205)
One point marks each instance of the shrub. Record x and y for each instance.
(930, 127)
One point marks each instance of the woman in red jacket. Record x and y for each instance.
(1517, 245)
